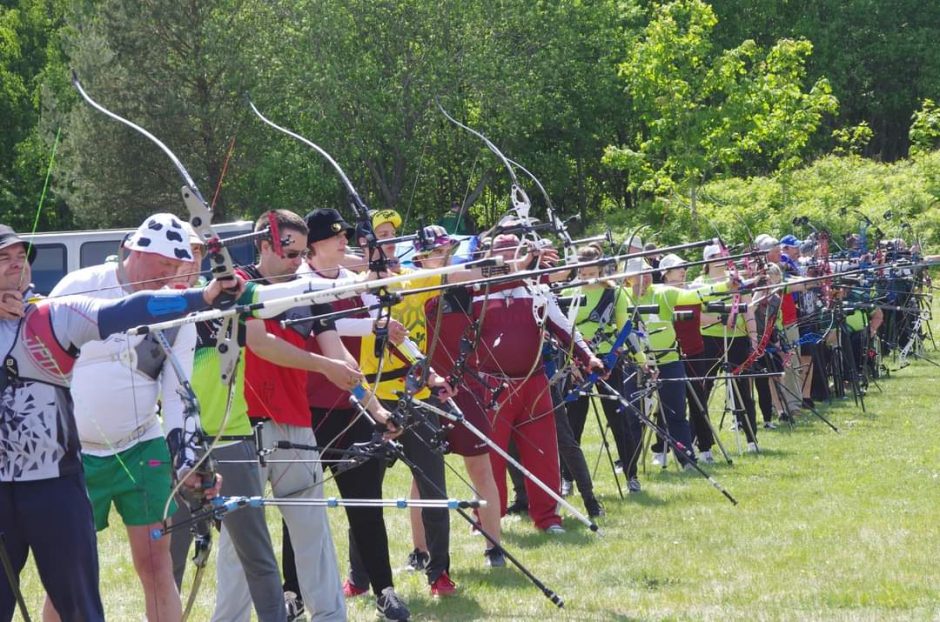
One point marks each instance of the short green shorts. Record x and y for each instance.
(137, 480)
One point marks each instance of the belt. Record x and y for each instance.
(125, 442)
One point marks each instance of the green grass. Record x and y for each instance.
(829, 527)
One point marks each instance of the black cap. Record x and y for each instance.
(8, 237)
(325, 222)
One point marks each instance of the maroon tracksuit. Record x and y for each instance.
(510, 351)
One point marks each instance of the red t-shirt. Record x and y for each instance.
(788, 310)
(272, 391)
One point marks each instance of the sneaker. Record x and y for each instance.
(417, 561)
(786, 418)
(808, 403)
(752, 448)
(294, 605)
(566, 487)
(351, 590)
(443, 586)
(518, 507)
(659, 459)
(554, 529)
(494, 558)
(688, 466)
(618, 466)
(707, 457)
(390, 606)
(633, 485)
(593, 507)
(770, 425)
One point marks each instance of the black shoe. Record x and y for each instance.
(390, 606)
(808, 402)
(494, 558)
(633, 485)
(417, 561)
(593, 507)
(518, 507)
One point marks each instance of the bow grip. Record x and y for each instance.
(589, 382)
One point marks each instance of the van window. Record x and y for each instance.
(243, 253)
(49, 267)
(94, 253)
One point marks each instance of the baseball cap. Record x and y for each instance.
(324, 223)
(766, 242)
(790, 240)
(711, 251)
(635, 265)
(382, 216)
(162, 234)
(634, 242)
(670, 261)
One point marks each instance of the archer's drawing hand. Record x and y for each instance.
(11, 305)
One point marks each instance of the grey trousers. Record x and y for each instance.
(246, 532)
(309, 529)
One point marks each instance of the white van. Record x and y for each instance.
(61, 252)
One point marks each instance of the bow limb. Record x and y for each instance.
(200, 217)
(356, 203)
(223, 268)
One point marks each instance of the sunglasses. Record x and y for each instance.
(295, 254)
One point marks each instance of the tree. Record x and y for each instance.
(705, 112)
(361, 80)
(31, 59)
(925, 129)
(879, 55)
(176, 69)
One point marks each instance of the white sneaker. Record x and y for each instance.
(566, 487)
(659, 459)
(554, 529)
(752, 448)
(706, 457)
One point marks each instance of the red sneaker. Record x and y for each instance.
(443, 586)
(351, 590)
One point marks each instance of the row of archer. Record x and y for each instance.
(506, 395)
(489, 362)
(498, 386)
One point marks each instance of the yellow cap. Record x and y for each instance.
(382, 216)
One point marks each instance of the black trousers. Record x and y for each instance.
(766, 387)
(53, 519)
(573, 465)
(419, 444)
(613, 412)
(702, 435)
(745, 410)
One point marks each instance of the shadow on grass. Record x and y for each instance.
(642, 498)
(532, 538)
(460, 606)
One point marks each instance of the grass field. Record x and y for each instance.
(829, 527)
